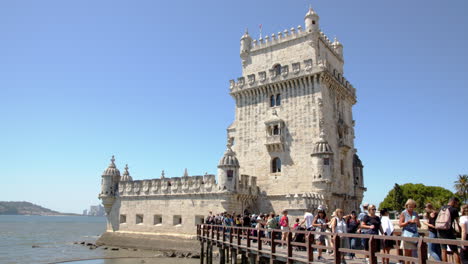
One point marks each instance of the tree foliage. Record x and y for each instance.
(422, 194)
(461, 187)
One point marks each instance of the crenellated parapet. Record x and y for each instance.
(182, 186)
(290, 35)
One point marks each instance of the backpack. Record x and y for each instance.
(444, 219)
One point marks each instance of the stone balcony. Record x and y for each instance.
(344, 144)
(274, 143)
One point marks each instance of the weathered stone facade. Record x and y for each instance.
(291, 145)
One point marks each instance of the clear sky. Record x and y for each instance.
(147, 81)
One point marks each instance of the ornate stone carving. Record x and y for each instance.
(308, 65)
(296, 67)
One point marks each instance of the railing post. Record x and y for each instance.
(222, 257)
(289, 247)
(248, 237)
(202, 251)
(233, 256)
(217, 233)
(336, 248)
(224, 234)
(372, 250)
(309, 243)
(239, 235)
(422, 251)
(273, 247)
(259, 240)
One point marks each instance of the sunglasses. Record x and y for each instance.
(373, 209)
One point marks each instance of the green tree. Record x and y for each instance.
(397, 197)
(461, 187)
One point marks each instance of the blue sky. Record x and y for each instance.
(147, 81)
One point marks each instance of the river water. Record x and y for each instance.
(51, 239)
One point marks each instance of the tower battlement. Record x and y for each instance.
(290, 35)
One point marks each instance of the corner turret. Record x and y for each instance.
(312, 21)
(245, 47)
(109, 185)
(338, 47)
(228, 170)
(322, 157)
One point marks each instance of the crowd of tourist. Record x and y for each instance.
(445, 223)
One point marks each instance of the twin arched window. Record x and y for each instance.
(275, 100)
(276, 165)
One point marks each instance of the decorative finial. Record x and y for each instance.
(246, 31)
(126, 167)
(162, 174)
(185, 173)
(112, 159)
(322, 135)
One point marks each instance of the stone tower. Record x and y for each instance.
(293, 126)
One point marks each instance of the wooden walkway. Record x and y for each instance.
(234, 241)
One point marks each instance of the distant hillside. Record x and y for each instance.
(25, 208)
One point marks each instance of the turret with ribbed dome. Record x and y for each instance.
(321, 147)
(109, 185)
(228, 170)
(322, 158)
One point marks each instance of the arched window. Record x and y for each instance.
(278, 99)
(230, 174)
(277, 69)
(276, 165)
(272, 101)
(326, 161)
(276, 130)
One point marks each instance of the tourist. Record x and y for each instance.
(308, 219)
(320, 223)
(352, 225)
(238, 220)
(284, 223)
(431, 216)
(271, 225)
(339, 227)
(364, 211)
(464, 232)
(296, 224)
(446, 219)
(409, 221)
(371, 225)
(388, 229)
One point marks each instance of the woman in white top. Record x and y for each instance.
(387, 228)
(464, 232)
(339, 226)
